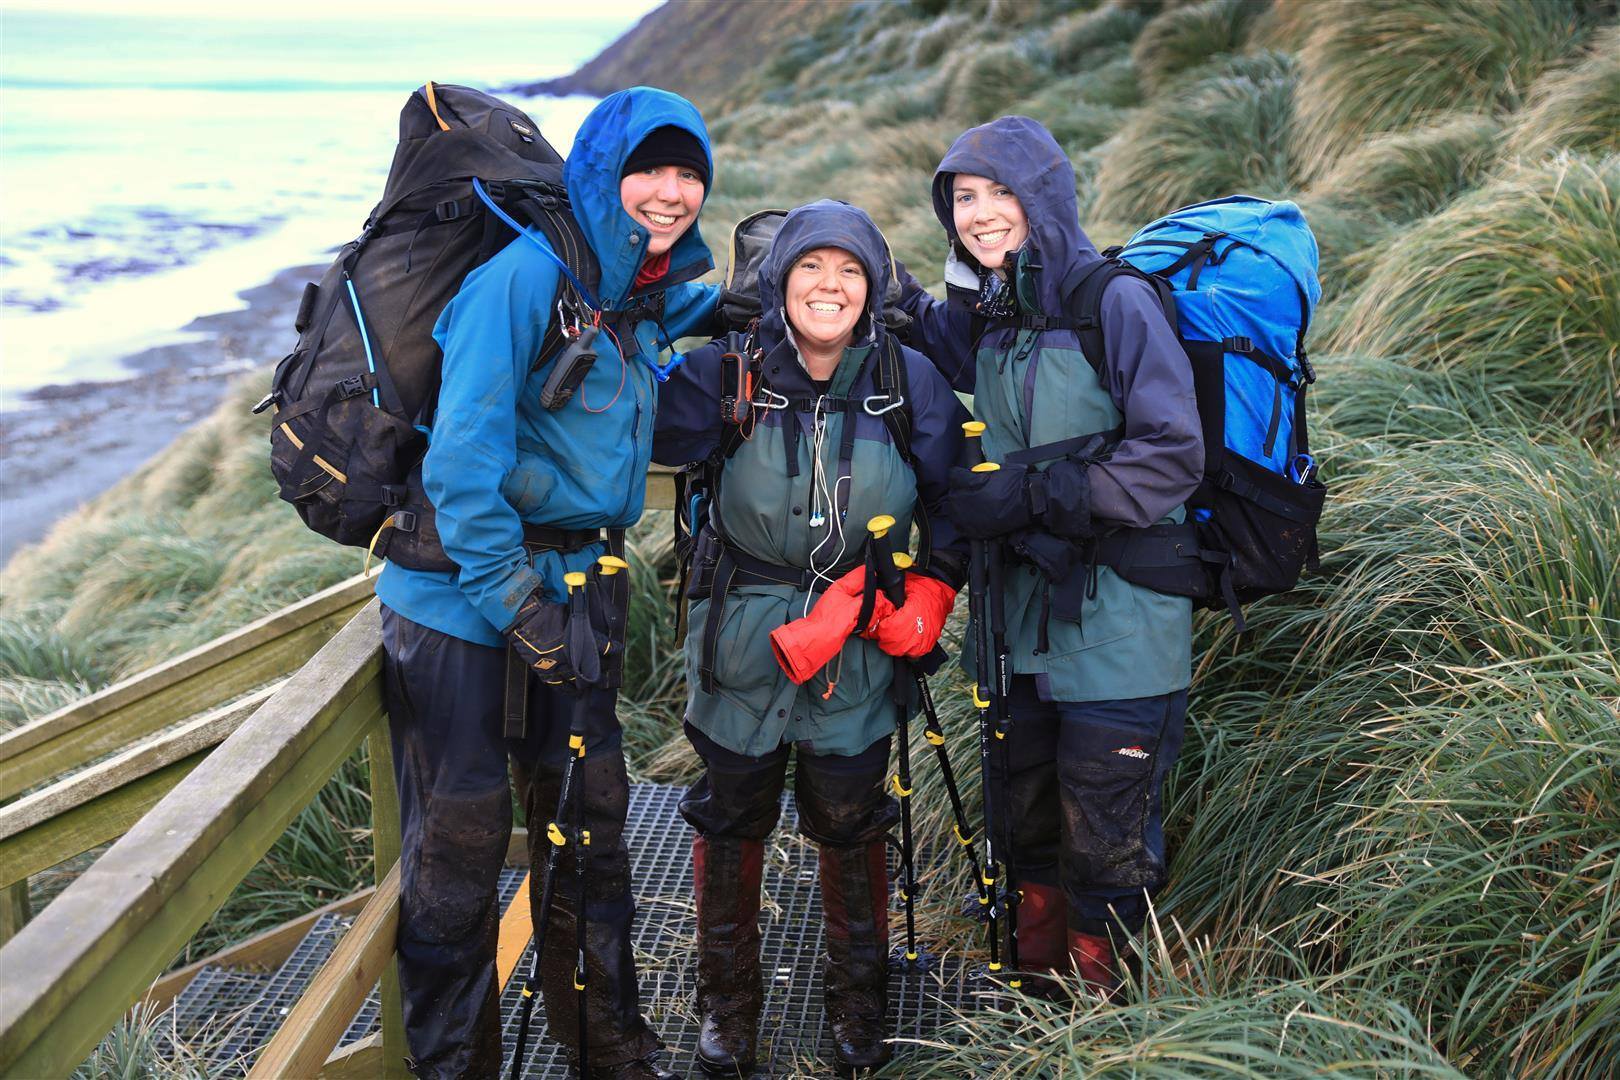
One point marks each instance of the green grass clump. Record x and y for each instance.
(1082, 40)
(991, 78)
(1395, 64)
(1407, 174)
(1182, 39)
(1229, 132)
(1519, 280)
(1577, 108)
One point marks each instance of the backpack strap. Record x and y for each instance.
(893, 381)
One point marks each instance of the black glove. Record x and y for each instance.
(1062, 500)
(560, 649)
(985, 505)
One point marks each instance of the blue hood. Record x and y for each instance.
(827, 223)
(1020, 153)
(612, 130)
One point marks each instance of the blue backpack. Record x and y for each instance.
(1237, 277)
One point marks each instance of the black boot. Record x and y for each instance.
(854, 898)
(726, 878)
(647, 1068)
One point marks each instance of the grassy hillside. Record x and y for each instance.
(1397, 820)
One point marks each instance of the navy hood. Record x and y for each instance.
(827, 223)
(1019, 152)
(604, 142)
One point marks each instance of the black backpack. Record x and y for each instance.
(353, 399)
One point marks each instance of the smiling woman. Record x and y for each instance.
(826, 294)
(662, 185)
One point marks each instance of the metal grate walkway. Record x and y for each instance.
(248, 1008)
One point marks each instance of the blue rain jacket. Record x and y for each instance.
(495, 458)
(778, 518)
(1033, 387)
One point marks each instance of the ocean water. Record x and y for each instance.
(151, 167)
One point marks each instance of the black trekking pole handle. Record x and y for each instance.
(890, 578)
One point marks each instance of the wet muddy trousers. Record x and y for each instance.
(843, 809)
(1083, 796)
(445, 700)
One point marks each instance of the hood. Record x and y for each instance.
(612, 130)
(827, 223)
(1020, 153)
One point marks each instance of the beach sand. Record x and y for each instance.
(71, 442)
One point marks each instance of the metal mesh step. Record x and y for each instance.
(792, 1031)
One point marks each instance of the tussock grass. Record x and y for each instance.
(1398, 63)
(1230, 132)
(1408, 174)
(1081, 40)
(1520, 280)
(1574, 109)
(991, 78)
(1180, 40)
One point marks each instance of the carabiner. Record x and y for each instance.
(892, 405)
(773, 400)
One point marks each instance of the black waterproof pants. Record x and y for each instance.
(1084, 800)
(841, 800)
(445, 700)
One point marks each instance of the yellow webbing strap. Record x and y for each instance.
(433, 107)
(371, 548)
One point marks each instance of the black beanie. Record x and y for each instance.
(668, 145)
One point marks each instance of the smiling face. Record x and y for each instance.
(989, 219)
(825, 298)
(664, 200)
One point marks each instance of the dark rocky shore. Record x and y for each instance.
(70, 442)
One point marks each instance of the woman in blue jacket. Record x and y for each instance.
(522, 495)
(786, 525)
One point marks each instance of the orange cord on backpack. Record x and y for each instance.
(623, 363)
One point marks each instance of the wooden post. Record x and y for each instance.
(13, 909)
(385, 844)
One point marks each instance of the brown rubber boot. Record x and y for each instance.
(854, 898)
(726, 879)
(1043, 948)
(1095, 962)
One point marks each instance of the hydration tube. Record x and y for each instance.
(584, 293)
(365, 338)
(660, 371)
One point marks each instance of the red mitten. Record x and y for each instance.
(804, 645)
(915, 626)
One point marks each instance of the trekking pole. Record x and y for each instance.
(587, 665)
(978, 570)
(1000, 694)
(889, 569)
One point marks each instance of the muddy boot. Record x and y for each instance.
(1043, 948)
(647, 1068)
(1095, 962)
(854, 898)
(726, 877)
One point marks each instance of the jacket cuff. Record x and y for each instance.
(502, 608)
(946, 566)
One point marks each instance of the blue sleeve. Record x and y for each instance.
(689, 310)
(688, 425)
(937, 417)
(1160, 460)
(490, 334)
(940, 331)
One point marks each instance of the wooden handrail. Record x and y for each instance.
(301, 1045)
(98, 804)
(209, 675)
(73, 970)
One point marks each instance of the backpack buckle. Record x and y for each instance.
(1239, 344)
(449, 210)
(405, 521)
(272, 398)
(496, 190)
(351, 386)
